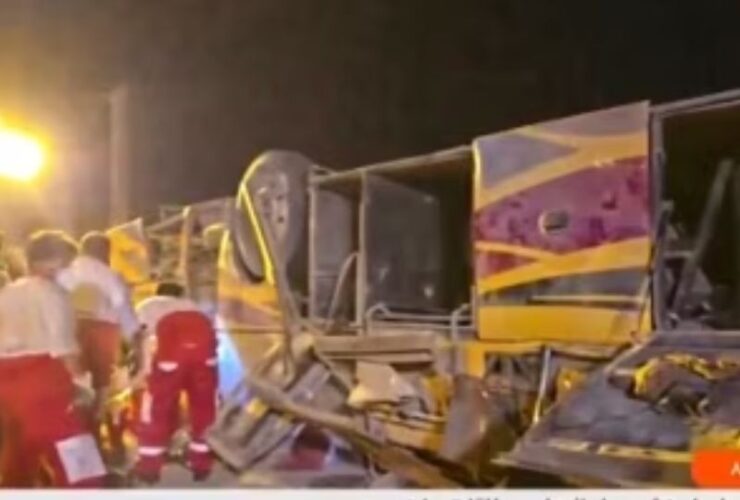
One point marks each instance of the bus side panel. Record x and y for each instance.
(244, 306)
(130, 257)
(561, 229)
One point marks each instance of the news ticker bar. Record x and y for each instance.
(334, 494)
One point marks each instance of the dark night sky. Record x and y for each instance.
(346, 82)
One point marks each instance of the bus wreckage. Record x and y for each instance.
(553, 304)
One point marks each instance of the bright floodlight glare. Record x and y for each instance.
(21, 156)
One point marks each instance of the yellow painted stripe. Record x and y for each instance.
(588, 298)
(532, 253)
(261, 242)
(632, 452)
(622, 255)
(571, 324)
(573, 140)
(601, 151)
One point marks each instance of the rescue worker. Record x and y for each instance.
(106, 318)
(183, 361)
(44, 439)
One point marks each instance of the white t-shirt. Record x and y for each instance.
(99, 293)
(36, 317)
(153, 309)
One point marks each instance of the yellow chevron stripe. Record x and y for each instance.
(621, 255)
(532, 253)
(592, 153)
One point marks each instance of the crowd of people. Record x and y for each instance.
(73, 346)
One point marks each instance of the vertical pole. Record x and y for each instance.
(705, 232)
(361, 309)
(65, 213)
(120, 155)
(735, 319)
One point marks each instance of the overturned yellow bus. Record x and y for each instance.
(437, 311)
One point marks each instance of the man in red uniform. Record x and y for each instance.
(103, 305)
(44, 440)
(183, 361)
(106, 318)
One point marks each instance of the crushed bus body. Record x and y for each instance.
(457, 318)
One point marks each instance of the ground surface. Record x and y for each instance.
(176, 476)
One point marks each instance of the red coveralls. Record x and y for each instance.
(184, 360)
(44, 441)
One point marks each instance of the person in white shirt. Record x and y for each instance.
(183, 360)
(106, 319)
(44, 435)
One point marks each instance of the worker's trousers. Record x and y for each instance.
(159, 411)
(100, 344)
(44, 440)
